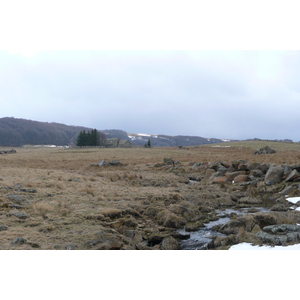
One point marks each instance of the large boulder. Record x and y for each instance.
(274, 175)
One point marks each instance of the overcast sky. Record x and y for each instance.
(235, 94)
(221, 94)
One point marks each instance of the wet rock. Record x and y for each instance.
(274, 175)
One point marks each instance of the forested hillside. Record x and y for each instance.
(17, 132)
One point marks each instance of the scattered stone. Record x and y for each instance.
(231, 175)
(3, 228)
(8, 151)
(220, 180)
(27, 190)
(293, 176)
(17, 206)
(105, 163)
(33, 245)
(71, 246)
(169, 243)
(20, 215)
(240, 178)
(74, 179)
(18, 241)
(264, 150)
(280, 207)
(287, 190)
(274, 175)
(15, 198)
(92, 243)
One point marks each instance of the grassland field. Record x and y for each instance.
(68, 202)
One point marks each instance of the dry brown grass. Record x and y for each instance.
(70, 192)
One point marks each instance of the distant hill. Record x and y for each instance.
(17, 132)
(158, 140)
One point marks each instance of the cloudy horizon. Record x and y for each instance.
(213, 94)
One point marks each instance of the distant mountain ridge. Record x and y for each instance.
(18, 132)
(160, 140)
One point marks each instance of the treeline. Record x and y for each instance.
(17, 132)
(90, 138)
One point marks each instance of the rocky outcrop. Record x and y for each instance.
(8, 151)
(248, 173)
(281, 234)
(264, 150)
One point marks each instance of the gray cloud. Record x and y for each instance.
(222, 94)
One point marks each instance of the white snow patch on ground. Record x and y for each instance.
(294, 200)
(248, 246)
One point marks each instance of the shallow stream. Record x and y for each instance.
(200, 239)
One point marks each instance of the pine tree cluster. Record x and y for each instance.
(90, 138)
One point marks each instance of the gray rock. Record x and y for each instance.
(71, 246)
(280, 207)
(18, 241)
(281, 234)
(74, 179)
(3, 227)
(274, 175)
(20, 215)
(264, 150)
(293, 176)
(114, 163)
(281, 228)
(15, 198)
(103, 163)
(169, 243)
(287, 190)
